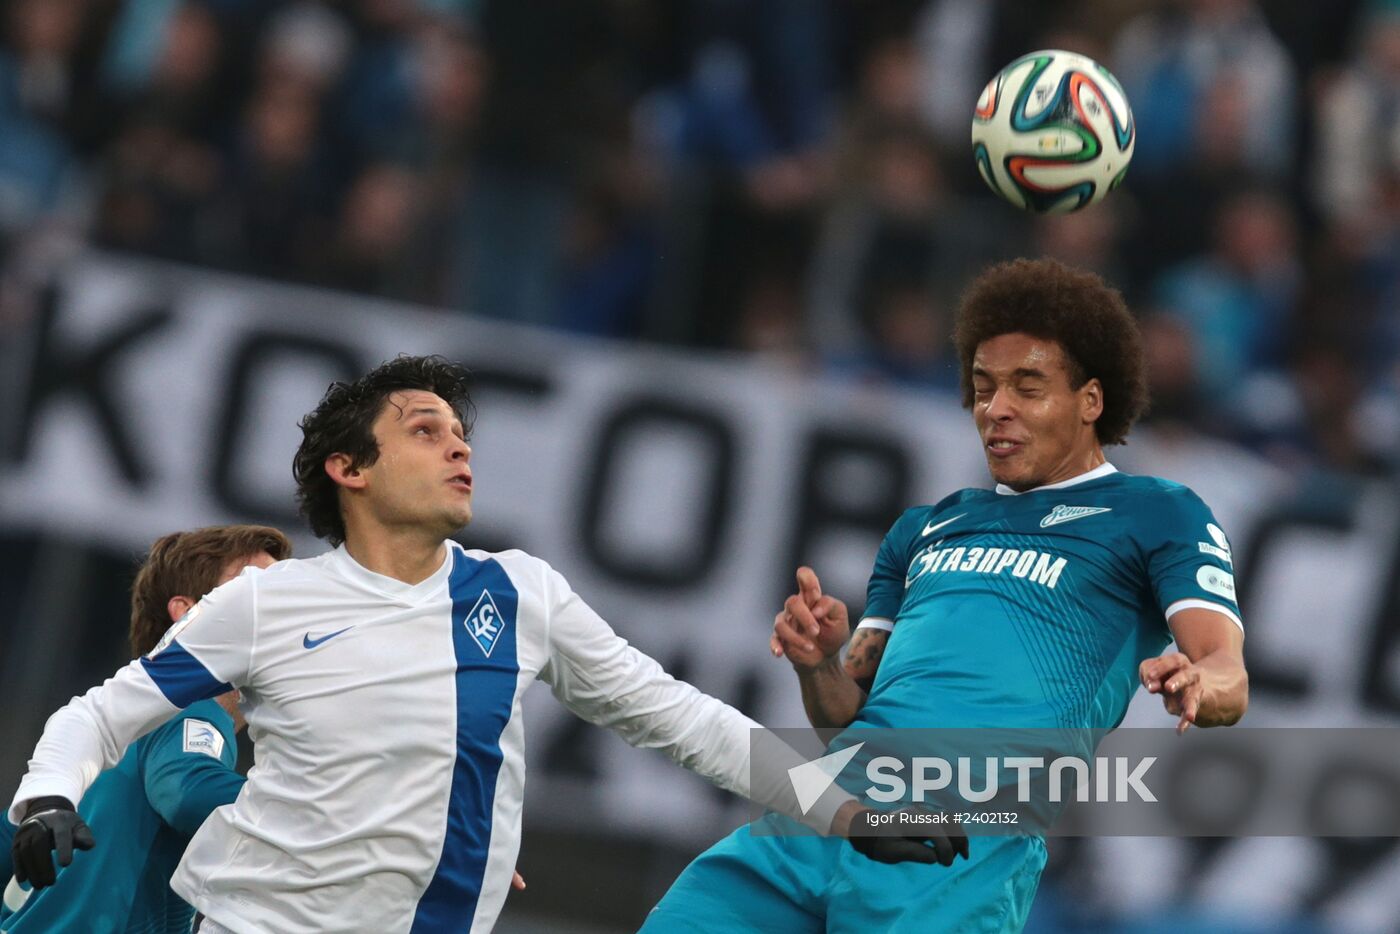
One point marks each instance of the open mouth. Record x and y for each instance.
(462, 483)
(1003, 447)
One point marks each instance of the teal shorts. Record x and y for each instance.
(754, 882)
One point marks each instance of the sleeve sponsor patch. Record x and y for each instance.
(1221, 548)
(202, 736)
(15, 897)
(1213, 580)
(1215, 551)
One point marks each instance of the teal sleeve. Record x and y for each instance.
(1188, 556)
(7, 836)
(885, 593)
(188, 771)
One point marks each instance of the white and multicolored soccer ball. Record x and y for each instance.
(1053, 132)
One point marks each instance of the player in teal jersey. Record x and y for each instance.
(1042, 603)
(144, 811)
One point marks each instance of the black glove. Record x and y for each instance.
(912, 834)
(49, 824)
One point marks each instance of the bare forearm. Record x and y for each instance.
(830, 695)
(1226, 689)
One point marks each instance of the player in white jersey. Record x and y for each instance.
(382, 686)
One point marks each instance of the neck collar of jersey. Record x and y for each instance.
(1103, 470)
(390, 586)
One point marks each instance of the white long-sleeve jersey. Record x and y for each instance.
(390, 749)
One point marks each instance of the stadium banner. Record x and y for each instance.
(676, 491)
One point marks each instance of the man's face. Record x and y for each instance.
(1035, 428)
(235, 567)
(421, 478)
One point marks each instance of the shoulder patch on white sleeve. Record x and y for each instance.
(178, 627)
(203, 736)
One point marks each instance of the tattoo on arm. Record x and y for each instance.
(863, 656)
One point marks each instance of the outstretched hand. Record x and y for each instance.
(812, 627)
(1178, 680)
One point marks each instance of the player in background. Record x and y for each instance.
(144, 810)
(148, 806)
(382, 685)
(1041, 603)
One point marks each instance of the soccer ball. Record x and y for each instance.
(1052, 132)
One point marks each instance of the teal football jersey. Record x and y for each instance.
(142, 813)
(1035, 609)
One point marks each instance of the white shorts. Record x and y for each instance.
(210, 926)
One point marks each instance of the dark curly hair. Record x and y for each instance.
(1086, 316)
(343, 423)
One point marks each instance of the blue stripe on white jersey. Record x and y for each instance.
(484, 604)
(181, 677)
(378, 804)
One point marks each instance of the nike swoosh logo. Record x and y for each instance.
(310, 643)
(930, 529)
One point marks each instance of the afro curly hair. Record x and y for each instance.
(1083, 314)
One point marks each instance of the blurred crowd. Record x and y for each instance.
(790, 178)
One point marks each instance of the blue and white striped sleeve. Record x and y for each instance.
(209, 650)
(201, 656)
